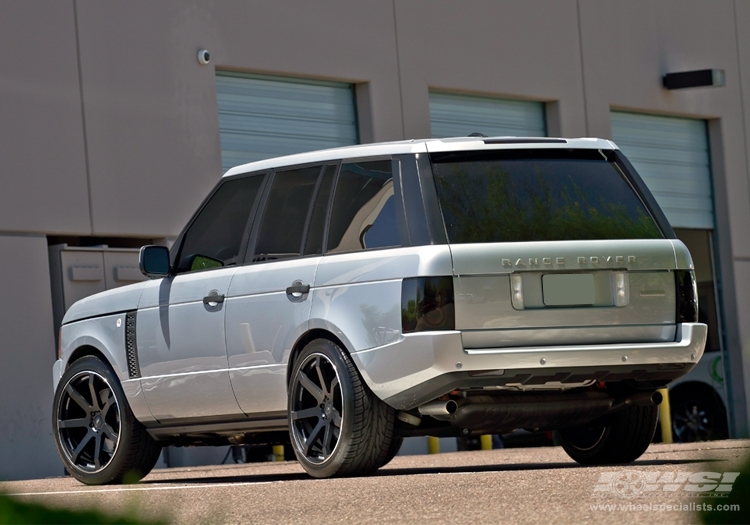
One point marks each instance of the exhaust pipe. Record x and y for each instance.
(644, 398)
(439, 409)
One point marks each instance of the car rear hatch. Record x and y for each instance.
(554, 247)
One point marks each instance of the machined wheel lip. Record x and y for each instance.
(335, 385)
(95, 422)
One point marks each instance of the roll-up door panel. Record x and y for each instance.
(262, 116)
(672, 156)
(454, 115)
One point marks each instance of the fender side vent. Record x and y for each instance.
(131, 349)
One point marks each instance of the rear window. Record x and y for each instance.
(537, 195)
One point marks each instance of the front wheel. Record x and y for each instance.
(338, 427)
(624, 438)
(98, 438)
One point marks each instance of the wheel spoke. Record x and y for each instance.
(110, 433)
(107, 405)
(320, 376)
(310, 386)
(306, 413)
(104, 395)
(336, 418)
(73, 423)
(98, 450)
(94, 398)
(312, 437)
(327, 435)
(78, 398)
(81, 445)
(334, 384)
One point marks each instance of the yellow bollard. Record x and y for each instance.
(278, 452)
(665, 416)
(486, 441)
(433, 445)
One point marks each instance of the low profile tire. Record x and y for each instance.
(623, 439)
(96, 434)
(393, 450)
(337, 426)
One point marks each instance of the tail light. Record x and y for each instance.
(427, 304)
(687, 296)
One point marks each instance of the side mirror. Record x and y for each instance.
(154, 261)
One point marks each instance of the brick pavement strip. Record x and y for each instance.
(534, 485)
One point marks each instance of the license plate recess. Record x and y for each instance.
(569, 289)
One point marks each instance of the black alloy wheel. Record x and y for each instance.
(88, 421)
(317, 408)
(96, 434)
(337, 426)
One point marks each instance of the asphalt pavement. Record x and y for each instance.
(532, 485)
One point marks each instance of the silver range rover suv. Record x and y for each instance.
(343, 299)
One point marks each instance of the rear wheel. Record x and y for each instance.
(393, 450)
(96, 434)
(623, 439)
(337, 426)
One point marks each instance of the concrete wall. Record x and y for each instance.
(110, 129)
(42, 161)
(27, 354)
(523, 50)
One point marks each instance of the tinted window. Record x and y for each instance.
(542, 195)
(285, 215)
(363, 214)
(218, 229)
(316, 229)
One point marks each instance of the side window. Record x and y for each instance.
(364, 211)
(285, 215)
(314, 245)
(214, 238)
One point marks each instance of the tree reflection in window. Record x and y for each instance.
(515, 200)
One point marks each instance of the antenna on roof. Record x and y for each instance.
(477, 134)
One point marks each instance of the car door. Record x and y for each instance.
(268, 304)
(180, 322)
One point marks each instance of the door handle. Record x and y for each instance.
(299, 288)
(212, 299)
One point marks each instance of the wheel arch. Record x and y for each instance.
(101, 336)
(302, 342)
(86, 350)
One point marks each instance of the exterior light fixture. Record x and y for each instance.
(516, 297)
(692, 79)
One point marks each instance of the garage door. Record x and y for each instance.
(263, 116)
(459, 115)
(671, 154)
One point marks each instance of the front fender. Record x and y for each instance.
(105, 334)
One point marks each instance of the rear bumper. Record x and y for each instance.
(423, 366)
